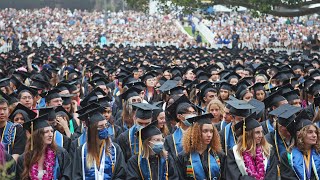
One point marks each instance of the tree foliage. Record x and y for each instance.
(287, 8)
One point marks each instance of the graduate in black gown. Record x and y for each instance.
(8, 164)
(99, 157)
(252, 157)
(128, 141)
(202, 157)
(303, 160)
(152, 162)
(42, 157)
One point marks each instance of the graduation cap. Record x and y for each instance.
(66, 98)
(273, 99)
(28, 89)
(285, 113)
(99, 82)
(26, 113)
(281, 75)
(302, 120)
(147, 76)
(144, 110)
(39, 83)
(172, 109)
(226, 86)
(314, 88)
(35, 124)
(92, 96)
(133, 91)
(11, 99)
(48, 110)
(92, 115)
(241, 91)
(201, 119)
(258, 86)
(52, 94)
(291, 95)
(203, 76)
(15, 81)
(168, 85)
(259, 107)
(149, 131)
(231, 75)
(248, 124)
(207, 88)
(239, 107)
(87, 108)
(60, 110)
(317, 100)
(4, 82)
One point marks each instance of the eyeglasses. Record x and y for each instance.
(26, 97)
(100, 127)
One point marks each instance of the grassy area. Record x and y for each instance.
(189, 31)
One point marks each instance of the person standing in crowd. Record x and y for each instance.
(98, 157)
(252, 156)
(152, 162)
(42, 159)
(202, 157)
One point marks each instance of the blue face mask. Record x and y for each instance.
(103, 133)
(157, 147)
(185, 122)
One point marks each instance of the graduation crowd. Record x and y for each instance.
(62, 26)
(122, 112)
(264, 32)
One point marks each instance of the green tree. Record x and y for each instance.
(286, 8)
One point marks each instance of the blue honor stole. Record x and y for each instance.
(133, 141)
(280, 144)
(269, 126)
(109, 163)
(197, 168)
(82, 138)
(8, 136)
(229, 138)
(56, 172)
(111, 132)
(177, 140)
(223, 124)
(58, 138)
(296, 160)
(145, 169)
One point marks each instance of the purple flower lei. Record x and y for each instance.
(254, 167)
(48, 164)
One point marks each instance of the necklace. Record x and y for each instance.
(49, 160)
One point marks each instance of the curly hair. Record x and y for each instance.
(192, 140)
(299, 143)
(251, 144)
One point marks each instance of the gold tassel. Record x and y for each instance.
(67, 72)
(31, 135)
(290, 80)
(140, 143)
(244, 135)
(129, 60)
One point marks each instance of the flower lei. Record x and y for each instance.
(49, 160)
(254, 167)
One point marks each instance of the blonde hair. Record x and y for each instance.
(251, 144)
(146, 149)
(299, 143)
(192, 139)
(218, 103)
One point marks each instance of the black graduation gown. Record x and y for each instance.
(119, 168)
(169, 146)
(310, 110)
(232, 171)
(265, 128)
(123, 141)
(222, 140)
(184, 160)
(64, 164)
(287, 173)
(133, 171)
(66, 143)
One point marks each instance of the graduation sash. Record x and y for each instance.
(56, 172)
(177, 138)
(213, 163)
(280, 144)
(229, 137)
(58, 138)
(269, 126)
(133, 141)
(223, 124)
(83, 138)
(106, 171)
(145, 169)
(111, 132)
(297, 162)
(8, 136)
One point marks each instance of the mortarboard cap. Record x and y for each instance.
(259, 107)
(202, 119)
(291, 95)
(4, 82)
(226, 86)
(48, 110)
(144, 110)
(314, 88)
(149, 131)
(37, 123)
(168, 85)
(92, 115)
(285, 113)
(239, 107)
(302, 120)
(26, 88)
(273, 99)
(26, 112)
(249, 123)
(66, 98)
(258, 86)
(10, 98)
(133, 91)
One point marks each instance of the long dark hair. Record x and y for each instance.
(33, 156)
